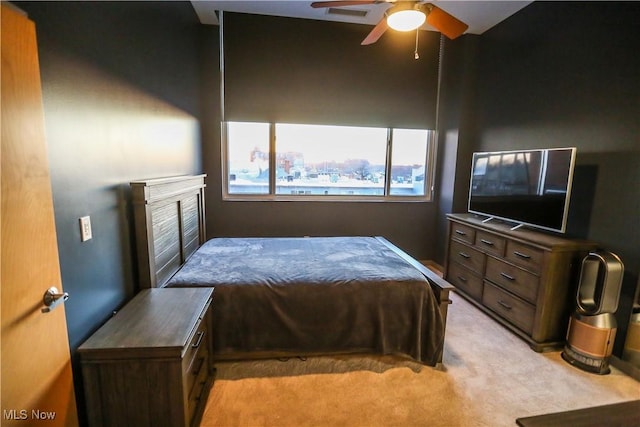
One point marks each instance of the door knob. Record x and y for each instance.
(52, 297)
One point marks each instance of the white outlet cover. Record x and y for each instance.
(85, 228)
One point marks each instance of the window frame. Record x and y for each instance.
(429, 176)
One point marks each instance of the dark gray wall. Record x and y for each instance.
(562, 74)
(121, 95)
(456, 131)
(121, 90)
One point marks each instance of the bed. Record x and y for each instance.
(289, 296)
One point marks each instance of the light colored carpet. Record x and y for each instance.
(489, 378)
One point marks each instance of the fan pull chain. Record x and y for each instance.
(415, 54)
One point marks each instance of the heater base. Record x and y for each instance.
(590, 364)
(590, 342)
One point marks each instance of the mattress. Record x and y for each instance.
(319, 295)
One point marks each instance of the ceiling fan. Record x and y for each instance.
(405, 15)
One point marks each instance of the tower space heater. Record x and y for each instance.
(592, 326)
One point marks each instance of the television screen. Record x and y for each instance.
(527, 187)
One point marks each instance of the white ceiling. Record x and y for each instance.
(480, 15)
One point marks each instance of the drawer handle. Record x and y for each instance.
(464, 255)
(461, 233)
(506, 276)
(196, 371)
(199, 340)
(504, 304)
(487, 242)
(197, 398)
(462, 279)
(521, 255)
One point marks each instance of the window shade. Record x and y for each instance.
(290, 70)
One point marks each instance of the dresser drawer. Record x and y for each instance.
(471, 258)
(525, 256)
(513, 279)
(465, 280)
(463, 232)
(509, 307)
(490, 243)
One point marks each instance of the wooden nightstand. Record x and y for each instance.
(151, 364)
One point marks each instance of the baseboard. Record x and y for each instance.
(626, 367)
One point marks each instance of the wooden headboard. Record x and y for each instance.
(169, 225)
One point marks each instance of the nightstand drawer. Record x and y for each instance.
(471, 258)
(490, 243)
(198, 363)
(199, 339)
(200, 377)
(463, 232)
(511, 308)
(513, 279)
(465, 280)
(525, 256)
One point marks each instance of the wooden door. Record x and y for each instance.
(36, 368)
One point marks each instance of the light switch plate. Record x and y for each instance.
(85, 228)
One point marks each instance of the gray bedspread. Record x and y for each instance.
(318, 295)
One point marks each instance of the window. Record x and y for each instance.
(330, 160)
(248, 154)
(408, 162)
(322, 162)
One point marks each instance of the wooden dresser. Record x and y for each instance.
(151, 364)
(524, 279)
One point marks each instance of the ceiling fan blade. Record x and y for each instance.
(444, 22)
(338, 3)
(377, 32)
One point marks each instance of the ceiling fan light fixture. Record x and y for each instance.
(406, 20)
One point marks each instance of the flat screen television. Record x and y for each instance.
(525, 187)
